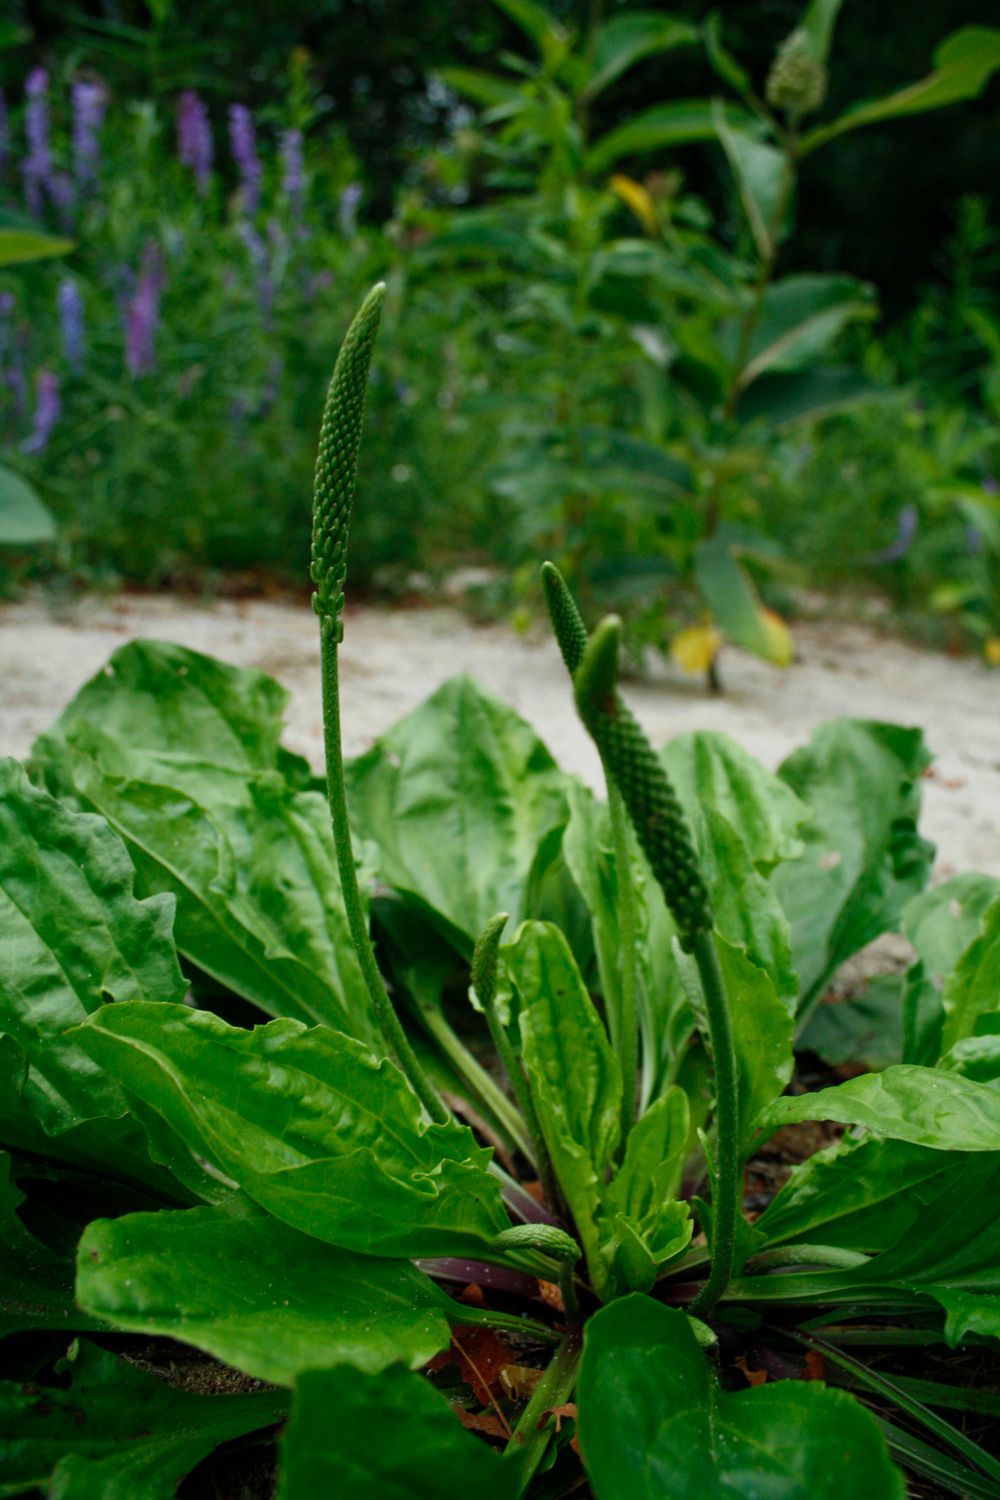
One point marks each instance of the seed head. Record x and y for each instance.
(567, 622)
(797, 80)
(337, 459)
(652, 804)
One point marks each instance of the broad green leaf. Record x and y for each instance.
(538, 25)
(654, 1421)
(310, 1124)
(733, 600)
(762, 175)
(864, 857)
(653, 129)
(709, 768)
(392, 1436)
(625, 39)
(782, 401)
(20, 245)
(36, 1285)
(861, 1194)
(116, 1433)
(972, 991)
(74, 936)
(963, 65)
(747, 911)
(296, 1304)
(574, 1077)
(762, 1032)
(181, 755)
(926, 1106)
(466, 807)
(23, 517)
(800, 318)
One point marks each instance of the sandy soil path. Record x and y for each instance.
(391, 660)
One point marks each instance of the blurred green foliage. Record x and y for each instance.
(621, 319)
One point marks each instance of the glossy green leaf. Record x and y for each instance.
(653, 129)
(181, 755)
(708, 767)
(861, 1194)
(485, 89)
(391, 1436)
(972, 990)
(762, 1033)
(36, 1285)
(116, 1433)
(574, 1077)
(864, 857)
(800, 318)
(654, 1421)
(23, 517)
(465, 805)
(74, 936)
(790, 400)
(940, 923)
(963, 65)
(926, 1106)
(18, 246)
(296, 1303)
(625, 39)
(310, 1124)
(761, 173)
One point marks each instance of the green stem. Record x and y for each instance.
(727, 1187)
(389, 1022)
(530, 1437)
(624, 1020)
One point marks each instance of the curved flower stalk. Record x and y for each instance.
(336, 475)
(662, 831)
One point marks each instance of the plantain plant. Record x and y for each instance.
(457, 1175)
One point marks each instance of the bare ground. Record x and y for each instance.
(393, 659)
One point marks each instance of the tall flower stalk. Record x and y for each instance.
(243, 143)
(336, 477)
(194, 138)
(37, 164)
(89, 101)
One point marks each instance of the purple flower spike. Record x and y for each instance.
(71, 324)
(90, 101)
(260, 261)
(243, 141)
(37, 165)
(194, 138)
(47, 409)
(901, 543)
(293, 180)
(142, 314)
(348, 209)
